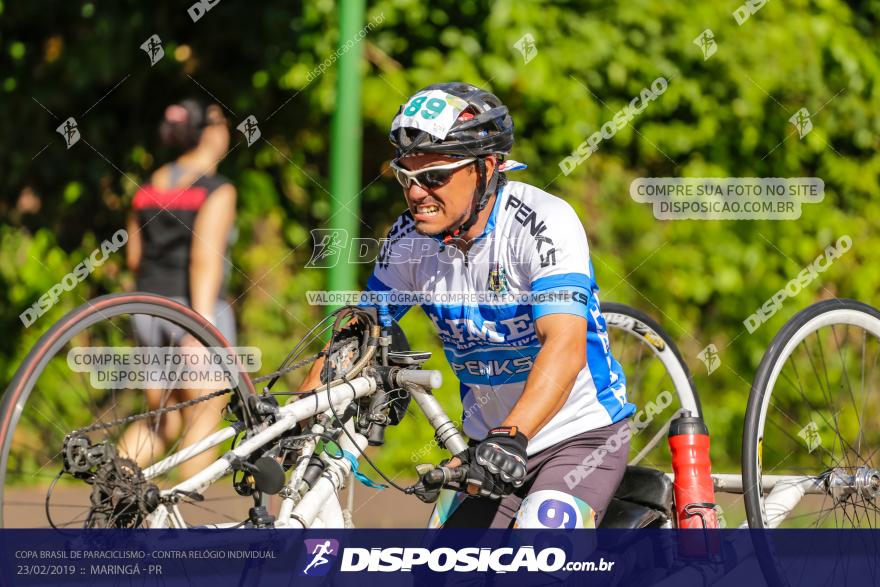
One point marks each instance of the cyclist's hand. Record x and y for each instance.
(454, 462)
(480, 482)
(472, 479)
(447, 474)
(503, 454)
(497, 465)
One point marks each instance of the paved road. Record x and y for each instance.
(373, 509)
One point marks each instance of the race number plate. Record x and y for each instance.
(433, 111)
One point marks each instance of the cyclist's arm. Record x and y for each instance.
(385, 278)
(313, 379)
(562, 356)
(210, 236)
(560, 275)
(134, 246)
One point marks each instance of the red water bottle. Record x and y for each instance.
(694, 491)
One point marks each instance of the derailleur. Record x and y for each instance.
(121, 496)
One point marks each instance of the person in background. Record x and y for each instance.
(180, 228)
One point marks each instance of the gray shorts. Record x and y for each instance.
(568, 485)
(153, 331)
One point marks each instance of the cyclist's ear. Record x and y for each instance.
(491, 162)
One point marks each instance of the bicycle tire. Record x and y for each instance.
(792, 333)
(795, 331)
(74, 322)
(649, 331)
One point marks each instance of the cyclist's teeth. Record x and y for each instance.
(428, 210)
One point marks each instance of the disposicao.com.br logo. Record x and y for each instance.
(322, 552)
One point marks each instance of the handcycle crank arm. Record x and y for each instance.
(426, 379)
(419, 384)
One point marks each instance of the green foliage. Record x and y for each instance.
(725, 116)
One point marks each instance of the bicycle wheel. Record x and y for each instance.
(47, 400)
(658, 381)
(809, 449)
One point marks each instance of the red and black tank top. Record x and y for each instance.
(166, 219)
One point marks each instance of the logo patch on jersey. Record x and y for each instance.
(528, 218)
(497, 281)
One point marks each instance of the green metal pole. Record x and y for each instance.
(345, 140)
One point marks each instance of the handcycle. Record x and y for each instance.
(49, 450)
(60, 464)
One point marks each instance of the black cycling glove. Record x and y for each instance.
(500, 461)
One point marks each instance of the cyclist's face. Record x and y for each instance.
(445, 207)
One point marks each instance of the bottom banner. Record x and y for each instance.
(440, 557)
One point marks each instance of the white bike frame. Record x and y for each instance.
(319, 506)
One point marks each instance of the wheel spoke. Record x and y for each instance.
(846, 374)
(862, 390)
(830, 397)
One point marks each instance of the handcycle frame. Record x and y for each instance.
(784, 492)
(320, 506)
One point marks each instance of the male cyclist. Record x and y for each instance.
(540, 389)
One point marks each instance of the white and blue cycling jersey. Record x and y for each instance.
(533, 243)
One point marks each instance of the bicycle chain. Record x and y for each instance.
(183, 405)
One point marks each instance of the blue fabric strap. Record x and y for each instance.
(358, 475)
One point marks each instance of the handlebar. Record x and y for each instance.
(430, 482)
(419, 383)
(429, 379)
(445, 475)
